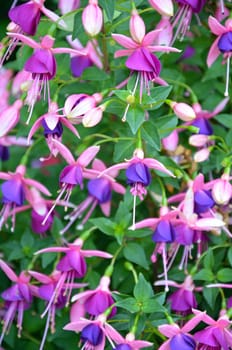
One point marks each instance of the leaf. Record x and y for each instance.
(94, 73)
(78, 28)
(108, 6)
(47, 259)
(224, 119)
(209, 260)
(142, 289)
(166, 124)
(135, 253)
(129, 304)
(150, 134)
(157, 96)
(152, 305)
(135, 118)
(204, 275)
(210, 295)
(123, 150)
(224, 275)
(230, 255)
(122, 94)
(104, 225)
(27, 240)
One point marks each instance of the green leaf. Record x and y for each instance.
(205, 275)
(210, 295)
(152, 305)
(122, 94)
(108, 6)
(135, 253)
(104, 225)
(78, 28)
(157, 96)
(224, 275)
(27, 240)
(230, 255)
(47, 259)
(94, 73)
(123, 150)
(142, 289)
(209, 260)
(129, 304)
(150, 134)
(135, 118)
(224, 119)
(166, 124)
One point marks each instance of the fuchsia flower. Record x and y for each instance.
(15, 190)
(56, 298)
(42, 66)
(165, 7)
(180, 338)
(72, 265)
(100, 192)
(129, 342)
(140, 50)
(94, 302)
(17, 298)
(92, 18)
(217, 335)
(221, 45)
(73, 174)
(52, 125)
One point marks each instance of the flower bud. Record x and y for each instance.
(183, 111)
(93, 116)
(201, 155)
(198, 140)
(92, 18)
(222, 192)
(137, 27)
(164, 7)
(68, 6)
(170, 142)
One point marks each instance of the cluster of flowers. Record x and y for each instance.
(199, 209)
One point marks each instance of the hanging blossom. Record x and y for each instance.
(141, 60)
(42, 66)
(15, 190)
(92, 18)
(46, 291)
(138, 174)
(17, 298)
(25, 20)
(99, 193)
(221, 45)
(74, 173)
(52, 123)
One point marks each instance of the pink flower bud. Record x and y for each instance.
(222, 191)
(198, 140)
(164, 7)
(93, 117)
(171, 141)
(201, 155)
(68, 6)
(92, 18)
(137, 27)
(183, 111)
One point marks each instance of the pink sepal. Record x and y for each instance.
(91, 253)
(8, 271)
(38, 185)
(26, 40)
(64, 151)
(88, 155)
(52, 250)
(213, 52)
(125, 41)
(40, 277)
(216, 27)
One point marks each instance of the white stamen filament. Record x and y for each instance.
(222, 7)
(227, 76)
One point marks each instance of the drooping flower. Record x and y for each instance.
(42, 66)
(223, 44)
(140, 48)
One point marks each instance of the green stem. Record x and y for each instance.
(176, 82)
(110, 268)
(135, 325)
(130, 267)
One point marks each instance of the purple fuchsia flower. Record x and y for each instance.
(77, 105)
(46, 292)
(183, 300)
(163, 233)
(42, 66)
(72, 265)
(183, 16)
(217, 335)
(140, 48)
(92, 56)
(94, 302)
(99, 193)
(15, 190)
(93, 332)
(138, 173)
(17, 298)
(180, 338)
(223, 45)
(73, 174)
(52, 123)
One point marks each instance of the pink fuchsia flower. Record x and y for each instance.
(77, 105)
(73, 264)
(183, 111)
(221, 45)
(93, 332)
(100, 192)
(73, 174)
(179, 337)
(92, 18)
(166, 32)
(21, 83)
(165, 8)
(42, 65)
(217, 335)
(222, 190)
(94, 302)
(52, 124)
(183, 300)
(17, 298)
(68, 6)
(92, 56)
(140, 50)
(15, 189)
(56, 298)
(183, 16)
